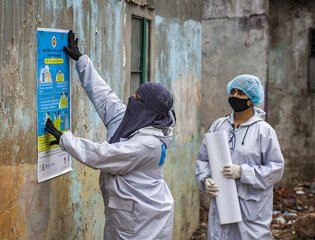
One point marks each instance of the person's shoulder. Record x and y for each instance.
(222, 119)
(219, 121)
(147, 143)
(266, 128)
(264, 124)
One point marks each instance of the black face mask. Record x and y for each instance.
(238, 104)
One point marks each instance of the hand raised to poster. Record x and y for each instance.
(53, 131)
(72, 50)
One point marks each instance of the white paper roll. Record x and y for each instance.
(227, 199)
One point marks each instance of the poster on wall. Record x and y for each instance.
(53, 101)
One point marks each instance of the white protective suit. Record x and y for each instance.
(258, 153)
(138, 203)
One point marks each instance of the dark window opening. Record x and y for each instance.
(140, 52)
(311, 63)
(312, 42)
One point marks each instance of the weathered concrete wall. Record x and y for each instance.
(216, 9)
(234, 41)
(268, 39)
(291, 107)
(181, 10)
(70, 206)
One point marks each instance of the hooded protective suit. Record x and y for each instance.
(257, 151)
(138, 203)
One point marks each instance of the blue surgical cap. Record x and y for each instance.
(250, 85)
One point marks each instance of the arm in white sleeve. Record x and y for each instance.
(109, 107)
(202, 166)
(116, 158)
(270, 171)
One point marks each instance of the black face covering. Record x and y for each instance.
(238, 104)
(152, 110)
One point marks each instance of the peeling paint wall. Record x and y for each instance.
(291, 107)
(178, 66)
(70, 206)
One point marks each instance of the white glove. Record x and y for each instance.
(210, 187)
(232, 171)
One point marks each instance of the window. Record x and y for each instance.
(140, 52)
(311, 63)
(139, 43)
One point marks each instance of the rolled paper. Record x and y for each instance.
(227, 198)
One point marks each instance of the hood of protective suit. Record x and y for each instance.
(259, 115)
(165, 134)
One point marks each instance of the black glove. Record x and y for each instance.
(53, 131)
(72, 50)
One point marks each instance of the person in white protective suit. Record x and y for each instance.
(138, 203)
(257, 163)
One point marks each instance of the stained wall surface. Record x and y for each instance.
(291, 106)
(71, 206)
(234, 41)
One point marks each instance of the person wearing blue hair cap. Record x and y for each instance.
(138, 202)
(257, 163)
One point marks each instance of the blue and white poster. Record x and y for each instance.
(53, 100)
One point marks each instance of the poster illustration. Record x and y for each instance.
(53, 101)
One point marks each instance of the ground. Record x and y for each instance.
(290, 203)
